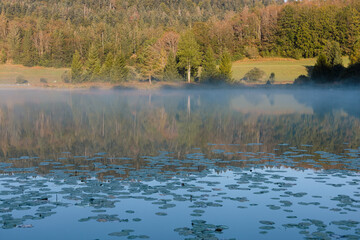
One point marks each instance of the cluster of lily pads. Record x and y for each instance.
(278, 188)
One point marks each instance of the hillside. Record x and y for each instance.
(142, 35)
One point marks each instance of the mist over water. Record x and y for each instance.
(186, 164)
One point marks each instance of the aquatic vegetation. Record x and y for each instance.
(204, 190)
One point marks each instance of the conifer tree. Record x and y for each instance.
(14, 40)
(29, 56)
(92, 65)
(225, 66)
(188, 53)
(209, 71)
(105, 72)
(119, 71)
(76, 68)
(170, 71)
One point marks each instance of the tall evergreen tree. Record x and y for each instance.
(14, 41)
(29, 54)
(93, 65)
(225, 66)
(76, 68)
(105, 72)
(119, 71)
(170, 71)
(188, 53)
(209, 71)
(58, 49)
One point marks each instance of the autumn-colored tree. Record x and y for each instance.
(149, 62)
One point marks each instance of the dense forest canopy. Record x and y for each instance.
(143, 34)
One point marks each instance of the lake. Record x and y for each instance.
(181, 164)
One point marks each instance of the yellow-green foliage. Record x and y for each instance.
(286, 70)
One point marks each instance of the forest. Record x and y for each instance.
(168, 40)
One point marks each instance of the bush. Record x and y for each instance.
(351, 74)
(3, 56)
(237, 57)
(43, 80)
(302, 79)
(297, 54)
(21, 80)
(254, 75)
(65, 77)
(251, 52)
(272, 78)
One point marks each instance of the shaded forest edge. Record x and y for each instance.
(114, 42)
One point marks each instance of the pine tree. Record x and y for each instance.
(225, 66)
(105, 72)
(92, 65)
(188, 53)
(76, 68)
(29, 56)
(119, 71)
(171, 72)
(14, 40)
(209, 71)
(58, 47)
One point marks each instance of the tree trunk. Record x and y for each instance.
(189, 73)
(150, 79)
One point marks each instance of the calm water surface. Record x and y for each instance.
(232, 164)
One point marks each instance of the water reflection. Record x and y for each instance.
(128, 163)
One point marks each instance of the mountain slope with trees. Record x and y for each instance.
(118, 40)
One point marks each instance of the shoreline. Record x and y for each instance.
(145, 86)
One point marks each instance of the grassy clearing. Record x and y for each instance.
(286, 70)
(9, 72)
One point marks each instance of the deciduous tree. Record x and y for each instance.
(188, 53)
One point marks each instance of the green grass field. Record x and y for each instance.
(286, 70)
(9, 72)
